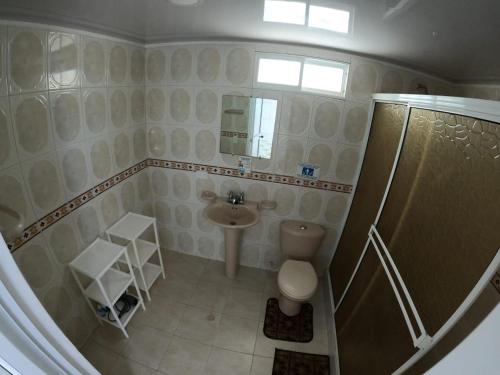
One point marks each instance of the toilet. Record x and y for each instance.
(297, 279)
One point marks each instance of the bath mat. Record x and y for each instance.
(278, 326)
(294, 363)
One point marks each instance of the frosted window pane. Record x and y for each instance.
(279, 72)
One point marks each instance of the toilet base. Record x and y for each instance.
(289, 307)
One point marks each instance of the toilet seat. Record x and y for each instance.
(297, 280)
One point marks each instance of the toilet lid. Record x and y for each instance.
(297, 279)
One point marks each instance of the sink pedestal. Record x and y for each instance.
(232, 241)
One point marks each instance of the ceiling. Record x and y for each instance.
(455, 39)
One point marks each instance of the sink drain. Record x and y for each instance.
(232, 223)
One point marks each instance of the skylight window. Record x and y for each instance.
(323, 76)
(329, 19)
(279, 72)
(293, 12)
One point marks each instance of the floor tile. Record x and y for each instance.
(160, 314)
(225, 362)
(236, 334)
(262, 365)
(102, 358)
(243, 303)
(209, 295)
(173, 290)
(125, 366)
(146, 346)
(198, 324)
(185, 357)
(265, 346)
(110, 337)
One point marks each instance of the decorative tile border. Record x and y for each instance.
(259, 176)
(225, 133)
(50, 219)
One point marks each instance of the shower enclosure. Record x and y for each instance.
(422, 239)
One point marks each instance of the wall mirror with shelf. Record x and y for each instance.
(247, 125)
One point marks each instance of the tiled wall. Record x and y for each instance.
(184, 88)
(71, 116)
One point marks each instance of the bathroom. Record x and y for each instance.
(110, 108)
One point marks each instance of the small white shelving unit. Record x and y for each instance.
(107, 283)
(130, 228)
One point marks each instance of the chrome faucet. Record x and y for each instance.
(236, 198)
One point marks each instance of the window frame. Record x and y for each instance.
(303, 60)
(306, 13)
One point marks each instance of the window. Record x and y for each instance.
(321, 17)
(283, 11)
(298, 73)
(329, 19)
(324, 76)
(279, 72)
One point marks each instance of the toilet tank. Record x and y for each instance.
(300, 239)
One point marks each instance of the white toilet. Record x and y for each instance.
(297, 279)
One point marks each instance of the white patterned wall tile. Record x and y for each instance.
(364, 80)
(157, 65)
(66, 116)
(238, 65)
(322, 154)
(31, 122)
(207, 106)
(348, 159)
(180, 105)
(63, 241)
(118, 64)
(44, 181)
(157, 100)
(119, 107)
(128, 196)
(64, 60)
(137, 65)
(8, 152)
(290, 151)
(15, 195)
(392, 80)
(110, 209)
(74, 162)
(94, 62)
(208, 64)
(101, 162)
(295, 116)
(180, 143)
(354, 123)
(27, 60)
(181, 64)
(95, 111)
(205, 145)
(157, 141)
(139, 144)
(122, 149)
(326, 121)
(137, 105)
(203, 182)
(88, 223)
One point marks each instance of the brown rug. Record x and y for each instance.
(295, 363)
(279, 326)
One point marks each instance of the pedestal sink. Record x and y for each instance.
(233, 219)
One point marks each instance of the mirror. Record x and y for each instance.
(247, 126)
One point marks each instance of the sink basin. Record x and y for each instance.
(233, 219)
(239, 216)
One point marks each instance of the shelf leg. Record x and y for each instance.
(108, 303)
(131, 270)
(139, 267)
(84, 295)
(159, 251)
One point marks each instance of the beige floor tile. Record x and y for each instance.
(198, 324)
(262, 365)
(252, 279)
(225, 362)
(185, 357)
(209, 295)
(160, 314)
(214, 273)
(110, 337)
(243, 303)
(146, 346)
(102, 358)
(173, 290)
(265, 347)
(236, 334)
(125, 366)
